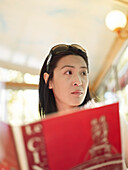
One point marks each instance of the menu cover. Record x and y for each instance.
(84, 139)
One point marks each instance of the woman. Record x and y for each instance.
(64, 83)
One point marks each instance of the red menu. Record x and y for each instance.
(85, 139)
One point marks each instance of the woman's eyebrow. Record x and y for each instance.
(68, 66)
(84, 67)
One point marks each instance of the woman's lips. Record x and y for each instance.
(77, 93)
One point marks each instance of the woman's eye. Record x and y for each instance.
(68, 72)
(84, 73)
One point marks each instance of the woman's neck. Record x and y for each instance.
(64, 107)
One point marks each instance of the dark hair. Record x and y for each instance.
(47, 102)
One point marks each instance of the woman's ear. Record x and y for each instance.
(50, 84)
(46, 76)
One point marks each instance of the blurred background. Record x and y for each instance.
(28, 30)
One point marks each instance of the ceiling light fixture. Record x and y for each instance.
(116, 21)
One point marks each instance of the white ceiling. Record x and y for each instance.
(29, 28)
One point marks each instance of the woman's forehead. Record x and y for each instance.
(72, 59)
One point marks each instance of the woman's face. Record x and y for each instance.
(70, 82)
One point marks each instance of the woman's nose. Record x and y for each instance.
(77, 81)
